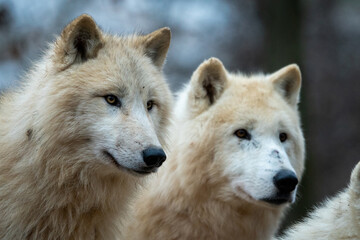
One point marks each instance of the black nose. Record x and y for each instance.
(285, 181)
(154, 157)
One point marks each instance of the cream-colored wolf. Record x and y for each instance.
(337, 219)
(236, 158)
(89, 120)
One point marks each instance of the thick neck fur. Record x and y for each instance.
(53, 194)
(227, 218)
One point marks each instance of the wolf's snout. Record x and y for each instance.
(285, 181)
(154, 157)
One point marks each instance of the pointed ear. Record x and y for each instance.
(157, 44)
(207, 84)
(355, 180)
(79, 41)
(287, 81)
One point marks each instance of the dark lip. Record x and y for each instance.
(275, 201)
(143, 172)
(278, 200)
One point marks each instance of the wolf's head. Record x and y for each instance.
(249, 128)
(105, 97)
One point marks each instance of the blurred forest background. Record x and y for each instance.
(322, 36)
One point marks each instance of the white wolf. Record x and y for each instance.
(236, 159)
(75, 138)
(337, 219)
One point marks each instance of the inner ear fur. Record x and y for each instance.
(208, 82)
(79, 41)
(156, 45)
(287, 81)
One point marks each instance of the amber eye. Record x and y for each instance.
(149, 105)
(243, 134)
(283, 137)
(112, 100)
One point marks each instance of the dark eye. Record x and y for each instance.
(283, 137)
(149, 105)
(243, 134)
(112, 100)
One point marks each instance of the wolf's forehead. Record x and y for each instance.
(256, 86)
(248, 96)
(255, 102)
(254, 120)
(128, 69)
(123, 81)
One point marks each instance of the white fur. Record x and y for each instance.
(216, 185)
(70, 160)
(337, 218)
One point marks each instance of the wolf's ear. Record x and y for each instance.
(157, 44)
(287, 81)
(207, 84)
(79, 41)
(355, 180)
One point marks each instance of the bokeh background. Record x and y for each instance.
(322, 36)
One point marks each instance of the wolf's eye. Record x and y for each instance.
(149, 105)
(243, 134)
(112, 100)
(283, 137)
